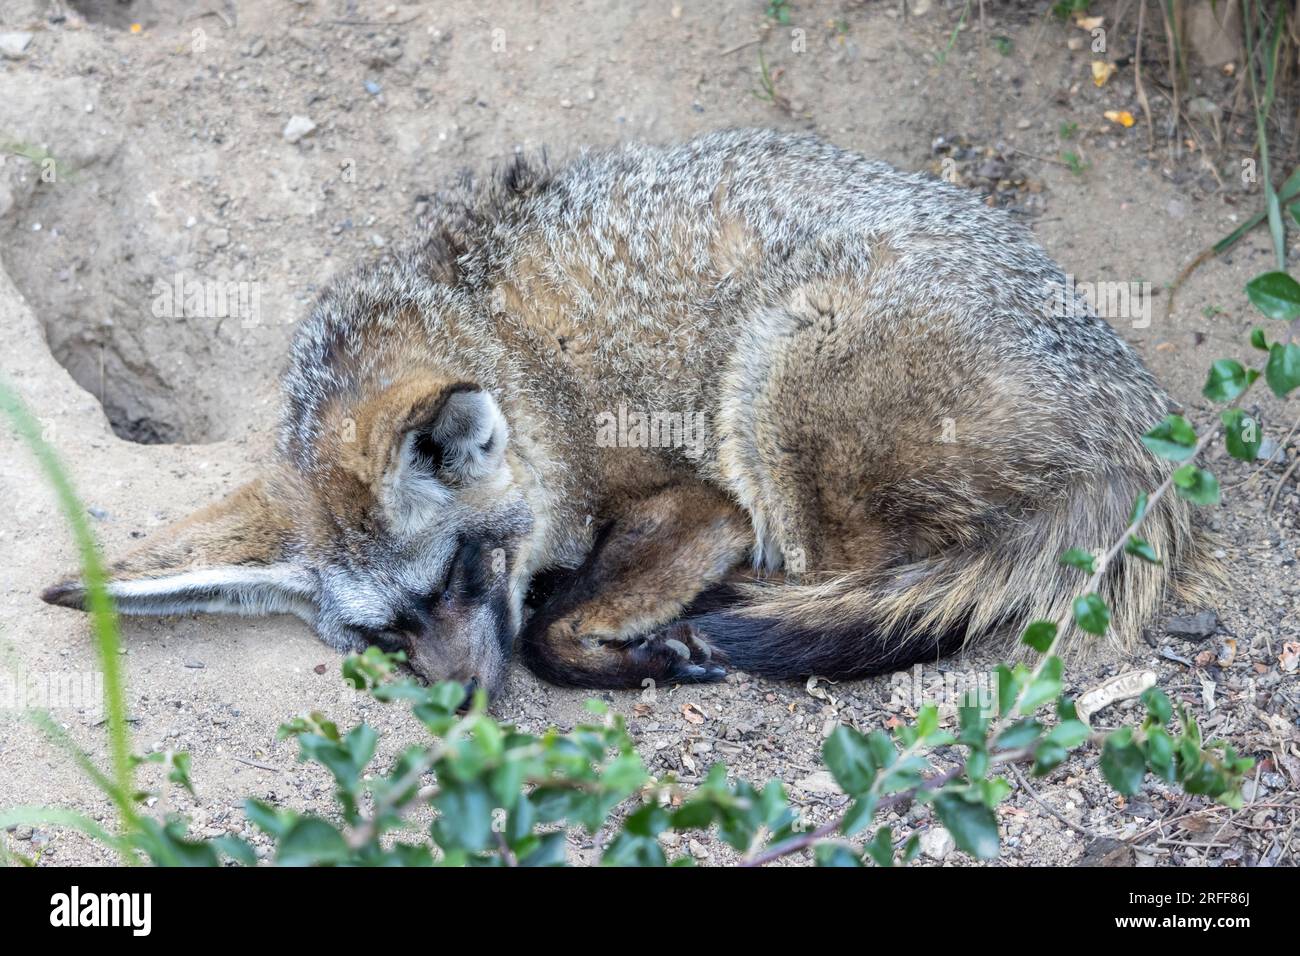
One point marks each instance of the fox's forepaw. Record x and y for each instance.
(676, 652)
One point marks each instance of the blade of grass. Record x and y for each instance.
(103, 616)
(54, 816)
(1274, 200)
(1290, 190)
(942, 57)
(84, 762)
(1263, 107)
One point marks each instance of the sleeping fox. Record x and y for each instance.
(749, 402)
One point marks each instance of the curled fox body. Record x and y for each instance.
(748, 402)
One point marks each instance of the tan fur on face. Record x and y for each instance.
(364, 437)
(362, 443)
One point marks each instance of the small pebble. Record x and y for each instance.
(13, 46)
(297, 128)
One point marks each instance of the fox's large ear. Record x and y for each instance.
(454, 434)
(441, 437)
(233, 556)
(457, 436)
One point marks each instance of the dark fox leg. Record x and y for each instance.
(611, 622)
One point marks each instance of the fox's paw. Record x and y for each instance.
(675, 653)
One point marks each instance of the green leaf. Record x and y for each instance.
(268, 819)
(1283, 369)
(311, 842)
(834, 854)
(1020, 734)
(1258, 340)
(180, 772)
(1010, 681)
(649, 821)
(1085, 561)
(1196, 485)
(1091, 614)
(1046, 686)
(1048, 756)
(972, 720)
(993, 791)
(549, 852)
(912, 848)
(1227, 380)
(1141, 549)
(1139, 508)
(465, 821)
(1065, 709)
(859, 815)
(1069, 733)
(904, 775)
(1173, 439)
(1158, 705)
(927, 721)
(1276, 227)
(774, 806)
(1039, 635)
(1122, 762)
(237, 849)
(973, 826)
(882, 748)
(1160, 754)
(628, 850)
(1275, 294)
(695, 813)
(1241, 435)
(881, 847)
(848, 757)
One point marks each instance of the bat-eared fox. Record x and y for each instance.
(750, 402)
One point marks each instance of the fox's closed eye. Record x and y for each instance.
(404, 623)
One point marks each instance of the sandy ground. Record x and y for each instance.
(169, 156)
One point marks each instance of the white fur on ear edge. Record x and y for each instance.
(472, 433)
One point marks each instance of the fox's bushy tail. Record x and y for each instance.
(885, 619)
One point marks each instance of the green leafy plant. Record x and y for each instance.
(767, 91)
(1064, 9)
(500, 797)
(779, 11)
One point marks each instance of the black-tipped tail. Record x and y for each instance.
(786, 649)
(66, 594)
